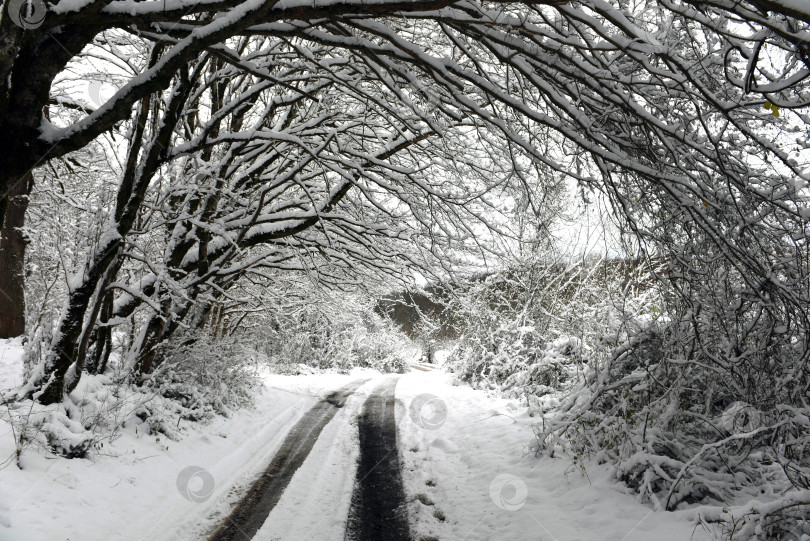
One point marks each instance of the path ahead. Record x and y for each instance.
(378, 502)
(254, 508)
(462, 456)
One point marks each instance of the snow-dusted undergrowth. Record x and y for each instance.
(201, 380)
(623, 382)
(333, 337)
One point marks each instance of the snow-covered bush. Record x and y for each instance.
(34, 426)
(335, 337)
(706, 403)
(205, 376)
(517, 361)
(696, 390)
(201, 378)
(534, 330)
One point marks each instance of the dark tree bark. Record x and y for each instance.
(81, 354)
(147, 352)
(12, 260)
(67, 348)
(64, 350)
(102, 338)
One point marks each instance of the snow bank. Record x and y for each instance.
(139, 484)
(474, 476)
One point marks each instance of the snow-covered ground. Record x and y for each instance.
(469, 474)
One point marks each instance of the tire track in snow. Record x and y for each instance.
(253, 509)
(378, 511)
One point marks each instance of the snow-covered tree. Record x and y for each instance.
(325, 137)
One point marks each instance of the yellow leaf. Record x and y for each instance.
(767, 105)
(705, 204)
(775, 111)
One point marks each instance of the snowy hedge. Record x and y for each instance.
(694, 401)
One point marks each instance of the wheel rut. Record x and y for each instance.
(254, 508)
(378, 511)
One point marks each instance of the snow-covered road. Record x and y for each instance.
(468, 473)
(253, 508)
(379, 509)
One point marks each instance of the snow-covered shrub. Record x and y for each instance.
(697, 394)
(34, 426)
(205, 376)
(534, 330)
(381, 347)
(200, 378)
(517, 360)
(336, 337)
(706, 403)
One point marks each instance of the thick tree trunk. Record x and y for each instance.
(81, 352)
(147, 353)
(64, 350)
(102, 338)
(12, 260)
